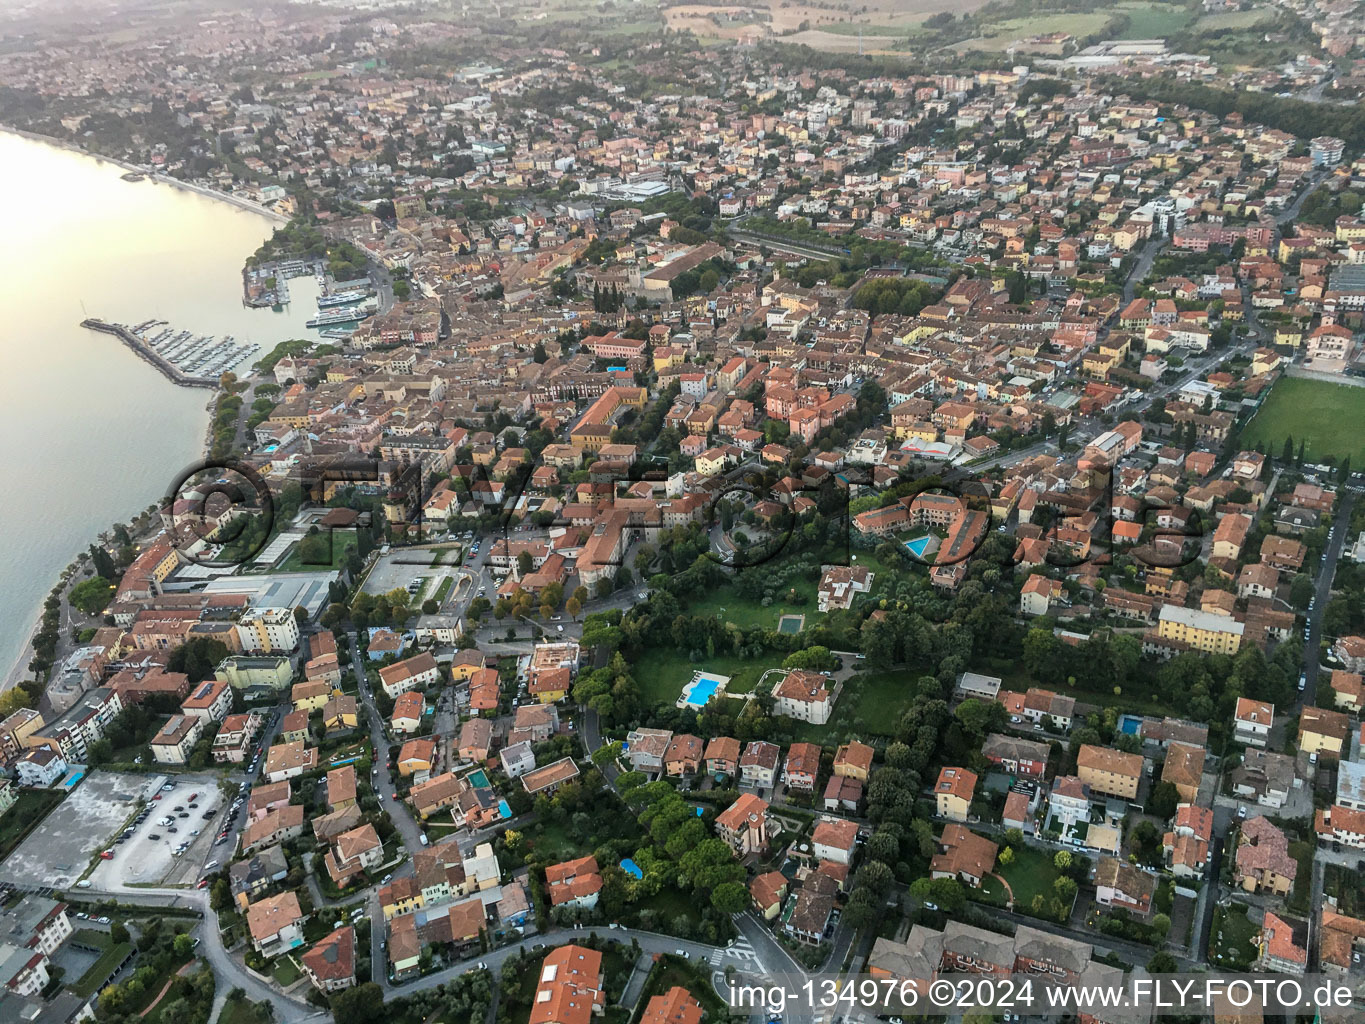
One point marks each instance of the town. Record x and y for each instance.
(743, 512)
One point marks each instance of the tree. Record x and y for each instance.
(1287, 453)
(730, 897)
(92, 596)
(1164, 800)
(1300, 590)
(525, 564)
(198, 657)
(118, 933)
(102, 561)
(1162, 963)
(430, 607)
(573, 606)
(1017, 287)
(363, 1004)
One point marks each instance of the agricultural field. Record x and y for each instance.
(1015, 33)
(832, 27)
(1153, 20)
(1326, 417)
(1224, 20)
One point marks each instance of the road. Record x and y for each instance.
(1143, 265)
(1322, 590)
(381, 778)
(226, 969)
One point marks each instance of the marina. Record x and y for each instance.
(193, 360)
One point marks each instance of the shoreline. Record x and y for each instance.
(18, 670)
(152, 176)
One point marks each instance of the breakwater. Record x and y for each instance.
(168, 370)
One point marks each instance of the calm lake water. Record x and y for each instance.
(94, 434)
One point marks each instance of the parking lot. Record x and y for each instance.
(192, 804)
(58, 851)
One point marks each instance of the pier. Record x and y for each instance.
(144, 351)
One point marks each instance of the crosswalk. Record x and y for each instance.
(741, 949)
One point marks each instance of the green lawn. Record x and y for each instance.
(1326, 417)
(553, 843)
(992, 892)
(242, 1011)
(285, 971)
(1302, 853)
(342, 542)
(870, 705)
(746, 613)
(662, 673)
(1230, 945)
(1031, 873)
(444, 589)
(30, 808)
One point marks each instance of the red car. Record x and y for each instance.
(203, 883)
(107, 855)
(157, 796)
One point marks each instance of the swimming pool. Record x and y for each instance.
(74, 779)
(1129, 724)
(504, 809)
(917, 546)
(631, 868)
(700, 690)
(478, 779)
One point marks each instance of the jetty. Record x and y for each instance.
(168, 369)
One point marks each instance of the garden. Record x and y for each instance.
(1232, 943)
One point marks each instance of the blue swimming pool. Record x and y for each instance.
(504, 809)
(631, 868)
(1129, 725)
(917, 546)
(74, 779)
(700, 691)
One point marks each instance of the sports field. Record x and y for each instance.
(1326, 417)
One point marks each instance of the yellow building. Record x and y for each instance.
(1203, 631)
(403, 896)
(1108, 771)
(1324, 732)
(711, 462)
(311, 695)
(465, 664)
(1350, 231)
(953, 793)
(1289, 334)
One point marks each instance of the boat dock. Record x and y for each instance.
(196, 361)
